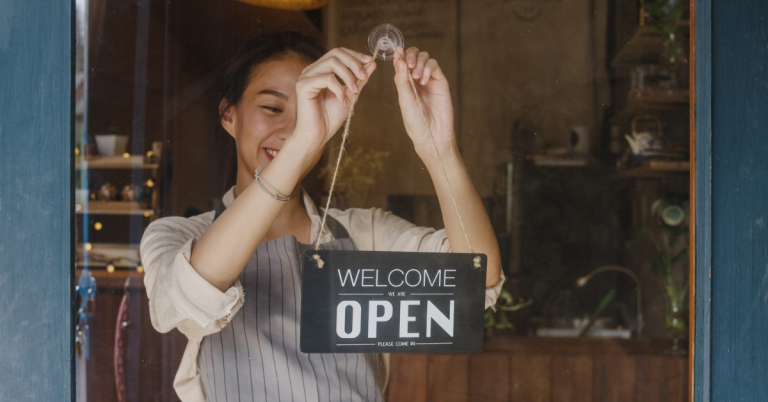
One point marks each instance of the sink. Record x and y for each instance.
(592, 333)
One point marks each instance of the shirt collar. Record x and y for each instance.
(314, 215)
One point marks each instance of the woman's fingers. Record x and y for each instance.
(411, 56)
(351, 59)
(313, 85)
(369, 72)
(421, 60)
(342, 70)
(431, 70)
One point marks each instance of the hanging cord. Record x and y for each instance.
(316, 257)
(442, 166)
(344, 136)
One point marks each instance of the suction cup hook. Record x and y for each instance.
(388, 38)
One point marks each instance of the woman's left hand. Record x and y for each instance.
(432, 87)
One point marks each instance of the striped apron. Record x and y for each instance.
(257, 358)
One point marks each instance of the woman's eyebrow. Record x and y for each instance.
(273, 93)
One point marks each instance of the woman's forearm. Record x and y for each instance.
(473, 213)
(223, 250)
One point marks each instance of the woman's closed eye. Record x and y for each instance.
(272, 109)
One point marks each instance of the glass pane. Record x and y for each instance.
(562, 128)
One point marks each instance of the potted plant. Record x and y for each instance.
(669, 236)
(496, 317)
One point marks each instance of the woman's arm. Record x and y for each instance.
(322, 104)
(432, 86)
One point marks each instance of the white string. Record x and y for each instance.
(321, 229)
(316, 257)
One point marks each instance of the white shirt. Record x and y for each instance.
(180, 298)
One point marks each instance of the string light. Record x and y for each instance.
(147, 213)
(150, 183)
(140, 269)
(110, 268)
(150, 154)
(88, 246)
(97, 226)
(126, 155)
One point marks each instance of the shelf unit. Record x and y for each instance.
(644, 47)
(149, 208)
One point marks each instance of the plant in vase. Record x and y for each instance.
(496, 318)
(669, 236)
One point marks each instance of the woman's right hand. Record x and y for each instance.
(323, 102)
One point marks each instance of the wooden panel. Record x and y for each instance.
(407, 378)
(448, 378)
(572, 379)
(615, 379)
(661, 378)
(489, 377)
(530, 378)
(36, 200)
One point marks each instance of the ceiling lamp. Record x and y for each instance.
(288, 4)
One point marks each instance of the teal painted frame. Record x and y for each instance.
(36, 200)
(730, 352)
(701, 13)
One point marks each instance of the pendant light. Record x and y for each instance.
(288, 4)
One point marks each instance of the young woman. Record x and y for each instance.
(229, 279)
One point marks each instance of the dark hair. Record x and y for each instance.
(259, 50)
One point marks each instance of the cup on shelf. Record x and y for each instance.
(111, 144)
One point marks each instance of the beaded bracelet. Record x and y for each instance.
(269, 189)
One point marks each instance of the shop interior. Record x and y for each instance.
(572, 118)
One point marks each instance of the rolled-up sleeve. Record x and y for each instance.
(377, 229)
(178, 296)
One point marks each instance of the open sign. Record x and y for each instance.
(392, 302)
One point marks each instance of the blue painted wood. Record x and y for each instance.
(739, 221)
(703, 211)
(36, 201)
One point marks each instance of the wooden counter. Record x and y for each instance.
(522, 369)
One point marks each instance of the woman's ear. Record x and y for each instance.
(227, 114)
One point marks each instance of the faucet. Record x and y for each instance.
(584, 279)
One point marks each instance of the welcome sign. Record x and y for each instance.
(392, 302)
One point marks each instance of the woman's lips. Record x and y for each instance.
(271, 153)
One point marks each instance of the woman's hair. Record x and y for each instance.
(259, 50)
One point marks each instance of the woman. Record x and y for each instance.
(282, 102)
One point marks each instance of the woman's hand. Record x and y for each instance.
(323, 102)
(432, 87)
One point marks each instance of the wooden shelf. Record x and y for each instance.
(113, 208)
(644, 47)
(660, 96)
(636, 108)
(657, 169)
(116, 162)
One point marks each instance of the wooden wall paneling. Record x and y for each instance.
(37, 49)
(448, 378)
(572, 379)
(489, 377)
(530, 378)
(661, 378)
(615, 379)
(407, 378)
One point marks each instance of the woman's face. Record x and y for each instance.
(266, 114)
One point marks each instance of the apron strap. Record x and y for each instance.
(337, 229)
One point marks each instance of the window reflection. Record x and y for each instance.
(572, 119)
